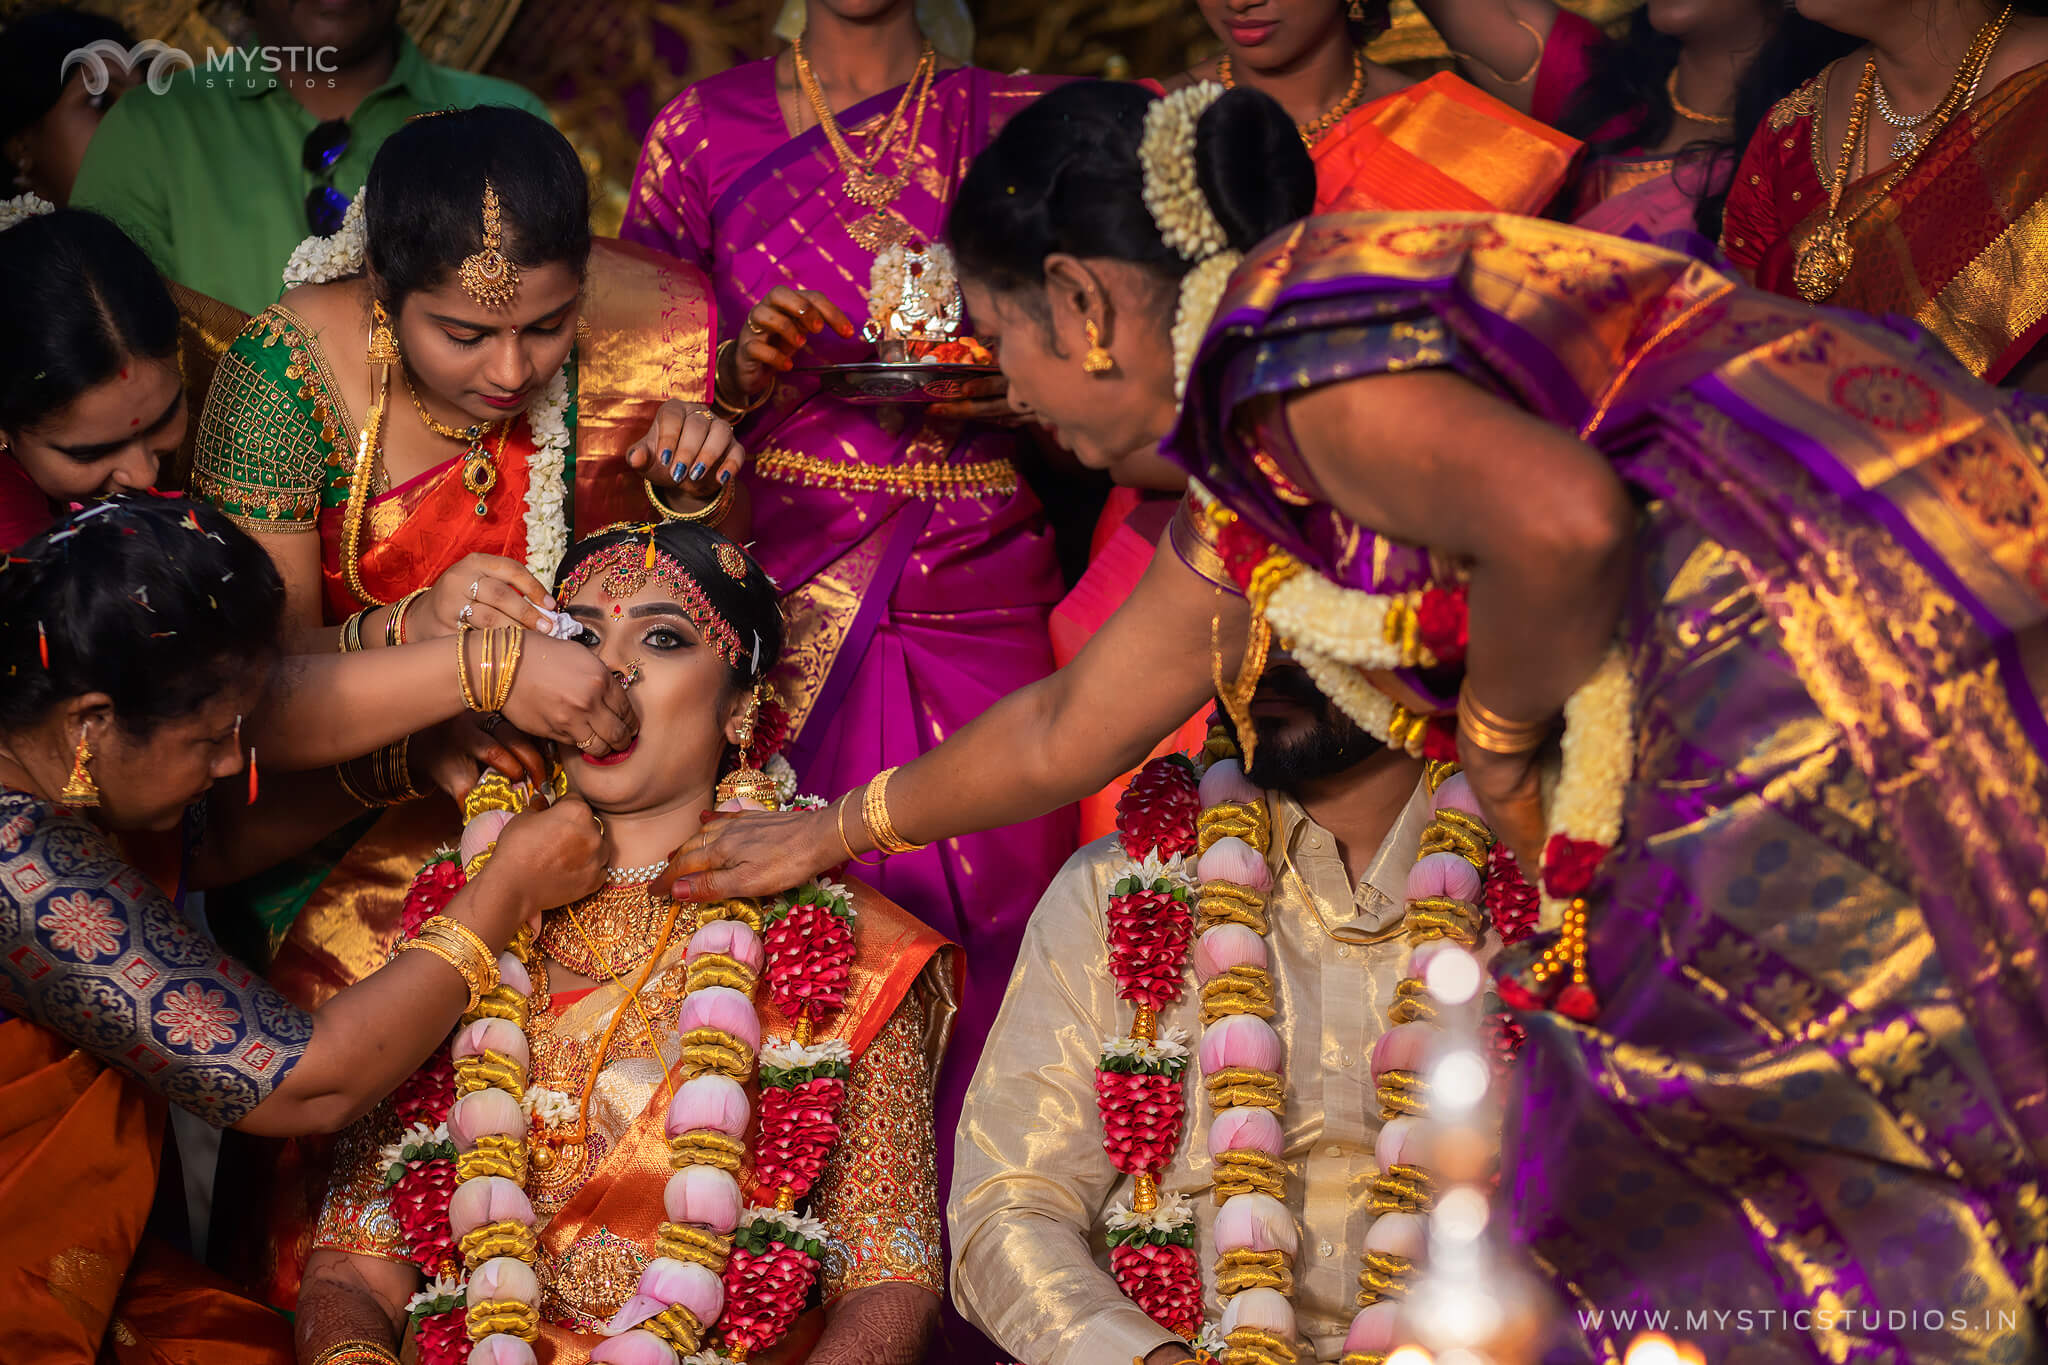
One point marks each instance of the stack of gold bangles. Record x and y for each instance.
(710, 514)
(497, 667)
(457, 945)
(874, 814)
(356, 1353)
(1495, 733)
(388, 781)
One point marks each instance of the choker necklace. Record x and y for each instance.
(1312, 131)
(603, 935)
(1686, 111)
(635, 876)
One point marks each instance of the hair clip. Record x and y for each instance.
(487, 276)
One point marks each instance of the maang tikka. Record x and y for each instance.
(487, 276)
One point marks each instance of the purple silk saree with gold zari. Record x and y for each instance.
(916, 568)
(1810, 1110)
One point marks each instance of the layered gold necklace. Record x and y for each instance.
(1312, 132)
(604, 935)
(865, 184)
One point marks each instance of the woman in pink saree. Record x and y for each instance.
(916, 567)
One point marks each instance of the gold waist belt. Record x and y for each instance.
(934, 482)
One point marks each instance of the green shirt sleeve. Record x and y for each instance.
(125, 177)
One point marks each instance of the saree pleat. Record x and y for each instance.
(1814, 1092)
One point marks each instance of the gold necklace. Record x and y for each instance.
(1825, 258)
(1686, 111)
(864, 183)
(1312, 131)
(605, 934)
(479, 469)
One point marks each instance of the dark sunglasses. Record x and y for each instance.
(325, 204)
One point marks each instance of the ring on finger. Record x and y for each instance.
(464, 615)
(588, 743)
(474, 584)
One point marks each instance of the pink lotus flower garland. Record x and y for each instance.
(1166, 815)
(457, 1176)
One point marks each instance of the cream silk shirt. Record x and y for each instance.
(1030, 1179)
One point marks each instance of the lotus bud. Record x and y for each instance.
(715, 1102)
(1225, 781)
(1255, 1222)
(1399, 1234)
(505, 1277)
(480, 833)
(1372, 1331)
(633, 1348)
(512, 974)
(500, 1348)
(1266, 1310)
(1398, 1142)
(483, 1113)
(1456, 794)
(731, 937)
(1404, 1047)
(1231, 859)
(501, 1036)
(667, 1281)
(1241, 1040)
(721, 1007)
(1227, 946)
(704, 1196)
(493, 1199)
(1443, 874)
(1247, 1130)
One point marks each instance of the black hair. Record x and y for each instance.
(1627, 82)
(1378, 18)
(160, 602)
(32, 73)
(1063, 176)
(749, 603)
(424, 196)
(81, 300)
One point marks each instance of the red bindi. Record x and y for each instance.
(134, 421)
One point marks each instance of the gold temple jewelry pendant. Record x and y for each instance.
(878, 231)
(1823, 263)
(479, 475)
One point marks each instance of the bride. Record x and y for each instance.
(634, 1049)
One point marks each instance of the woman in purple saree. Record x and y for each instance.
(1811, 1101)
(917, 570)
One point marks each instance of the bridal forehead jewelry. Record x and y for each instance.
(487, 276)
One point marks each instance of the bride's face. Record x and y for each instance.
(680, 688)
(476, 364)
(1113, 420)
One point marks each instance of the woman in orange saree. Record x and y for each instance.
(1378, 142)
(1944, 221)
(801, 1195)
(138, 631)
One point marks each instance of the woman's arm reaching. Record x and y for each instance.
(1498, 43)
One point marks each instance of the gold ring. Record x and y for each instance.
(585, 745)
(600, 823)
(464, 614)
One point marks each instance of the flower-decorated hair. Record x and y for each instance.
(727, 596)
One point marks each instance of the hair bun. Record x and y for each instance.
(1250, 162)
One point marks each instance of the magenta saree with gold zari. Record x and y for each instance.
(1811, 1106)
(916, 566)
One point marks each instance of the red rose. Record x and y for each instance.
(1569, 865)
(1442, 620)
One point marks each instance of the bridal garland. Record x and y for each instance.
(323, 260)
(474, 1128)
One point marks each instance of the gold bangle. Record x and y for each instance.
(394, 784)
(839, 824)
(348, 785)
(487, 667)
(1495, 733)
(440, 950)
(463, 950)
(356, 1353)
(508, 668)
(875, 816)
(469, 699)
(723, 406)
(710, 513)
(352, 632)
(394, 629)
(462, 933)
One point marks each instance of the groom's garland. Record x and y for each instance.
(458, 1175)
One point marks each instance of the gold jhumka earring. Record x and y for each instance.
(487, 276)
(747, 782)
(1098, 361)
(79, 789)
(383, 342)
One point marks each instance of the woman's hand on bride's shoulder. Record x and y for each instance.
(751, 853)
(564, 692)
(550, 856)
(689, 450)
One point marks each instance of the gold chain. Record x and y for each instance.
(863, 185)
(479, 466)
(1312, 131)
(1686, 111)
(1826, 257)
(932, 481)
(358, 505)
